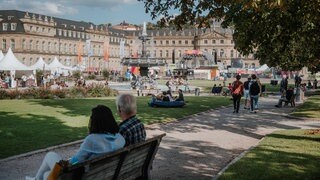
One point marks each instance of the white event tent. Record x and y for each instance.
(57, 68)
(1, 55)
(10, 63)
(40, 65)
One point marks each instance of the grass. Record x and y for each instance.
(27, 125)
(309, 109)
(289, 154)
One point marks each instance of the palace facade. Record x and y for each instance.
(97, 47)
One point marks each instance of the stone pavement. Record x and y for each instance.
(196, 147)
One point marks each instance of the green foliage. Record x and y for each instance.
(76, 74)
(105, 73)
(282, 33)
(91, 76)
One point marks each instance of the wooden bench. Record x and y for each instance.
(132, 162)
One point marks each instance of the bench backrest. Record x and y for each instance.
(132, 162)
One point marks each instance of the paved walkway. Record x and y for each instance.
(196, 147)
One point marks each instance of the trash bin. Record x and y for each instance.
(197, 92)
(274, 82)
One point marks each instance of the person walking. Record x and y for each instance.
(246, 94)
(237, 92)
(254, 91)
(131, 128)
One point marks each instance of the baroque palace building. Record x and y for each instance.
(32, 36)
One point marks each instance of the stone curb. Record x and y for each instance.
(40, 151)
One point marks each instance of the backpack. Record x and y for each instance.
(254, 88)
(246, 85)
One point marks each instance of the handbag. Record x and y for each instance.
(57, 169)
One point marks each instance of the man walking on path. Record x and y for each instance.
(237, 92)
(246, 94)
(254, 90)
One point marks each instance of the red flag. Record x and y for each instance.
(106, 51)
(80, 52)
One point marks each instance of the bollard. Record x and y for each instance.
(197, 92)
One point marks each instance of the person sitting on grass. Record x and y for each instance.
(104, 137)
(180, 96)
(287, 98)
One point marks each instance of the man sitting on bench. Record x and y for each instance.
(287, 99)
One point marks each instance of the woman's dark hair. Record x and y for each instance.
(102, 121)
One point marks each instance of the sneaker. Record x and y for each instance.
(30, 178)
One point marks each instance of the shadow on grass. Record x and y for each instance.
(264, 163)
(23, 134)
(292, 137)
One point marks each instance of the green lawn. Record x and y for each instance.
(289, 154)
(27, 125)
(309, 109)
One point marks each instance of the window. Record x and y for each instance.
(30, 44)
(154, 42)
(30, 28)
(213, 41)
(160, 53)
(5, 26)
(221, 41)
(167, 42)
(23, 43)
(186, 42)
(49, 46)
(173, 42)
(231, 53)
(12, 44)
(160, 41)
(4, 44)
(43, 29)
(31, 61)
(37, 29)
(13, 26)
(37, 45)
(205, 41)
(221, 52)
(43, 46)
(59, 32)
(179, 42)
(69, 33)
(167, 53)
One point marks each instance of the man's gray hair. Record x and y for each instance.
(126, 103)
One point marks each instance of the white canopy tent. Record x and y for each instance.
(57, 68)
(1, 55)
(10, 63)
(40, 65)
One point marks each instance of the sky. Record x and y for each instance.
(95, 11)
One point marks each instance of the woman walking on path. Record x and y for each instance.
(237, 92)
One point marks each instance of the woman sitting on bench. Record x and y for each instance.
(103, 138)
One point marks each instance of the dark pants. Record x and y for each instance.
(236, 101)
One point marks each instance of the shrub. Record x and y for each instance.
(78, 92)
(59, 93)
(3, 94)
(91, 76)
(13, 94)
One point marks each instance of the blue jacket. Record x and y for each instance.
(97, 144)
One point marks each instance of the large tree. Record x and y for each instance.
(283, 33)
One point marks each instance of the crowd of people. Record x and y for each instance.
(104, 135)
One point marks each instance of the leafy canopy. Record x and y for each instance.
(280, 33)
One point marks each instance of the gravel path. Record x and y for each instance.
(196, 147)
